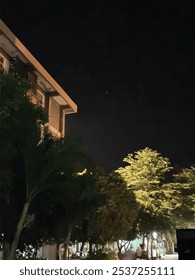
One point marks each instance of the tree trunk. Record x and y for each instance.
(6, 250)
(67, 241)
(61, 251)
(151, 247)
(57, 251)
(82, 247)
(147, 247)
(143, 242)
(169, 243)
(20, 225)
(90, 247)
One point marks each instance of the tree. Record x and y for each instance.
(50, 162)
(17, 115)
(145, 175)
(20, 122)
(113, 218)
(38, 161)
(146, 169)
(184, 185)
(78, 197)
(65, 205)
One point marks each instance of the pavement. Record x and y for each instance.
(170, 257)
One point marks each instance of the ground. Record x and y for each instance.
(171, 257)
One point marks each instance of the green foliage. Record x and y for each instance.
(186, 177)
(42, 174)
(13, 94)
(184, 187)
(51, 160)
(145, 175)
(33, 163)
(64, 196)
(146, 168)
(102, 255)
(19, 126)
(114, 218)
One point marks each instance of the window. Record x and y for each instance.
(40, 99)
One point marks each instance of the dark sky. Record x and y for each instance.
(130, 69)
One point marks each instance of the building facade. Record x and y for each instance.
(45, 91)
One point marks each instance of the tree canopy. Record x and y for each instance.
(43, 189)
(184, 186)
(113, 218)
(32, 162)
(20, 123)
(145, 175)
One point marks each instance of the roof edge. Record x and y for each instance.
(18, 44)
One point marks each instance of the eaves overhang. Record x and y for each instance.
(13, 46)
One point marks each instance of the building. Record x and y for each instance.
(45, 91)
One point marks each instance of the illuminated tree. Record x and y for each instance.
(145, 174)
(184, 186)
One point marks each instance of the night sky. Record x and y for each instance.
(130, 69)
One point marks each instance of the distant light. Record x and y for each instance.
(155, 234)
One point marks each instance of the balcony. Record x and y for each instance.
(19, 68)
